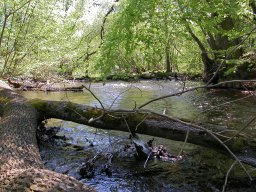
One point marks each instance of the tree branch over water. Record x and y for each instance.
(195, 88)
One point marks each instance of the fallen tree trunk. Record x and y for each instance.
(145, 122)
(43, 86)
(21, 167)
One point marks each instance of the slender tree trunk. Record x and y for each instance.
(3, 29)
(167, 58)
(253, 6)
(210, 65)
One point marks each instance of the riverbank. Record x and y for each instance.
(75, 83)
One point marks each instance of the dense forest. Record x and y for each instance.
(199, 61)
(89, 38)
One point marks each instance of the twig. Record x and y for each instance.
(247, 124)
(215, 137)
(193, 89)
(92, 120)
(94, 96)
(90, 83)
(128, 126)
(184, 143)
(220, 135)
(102, 31)
(118, 97)
(145, 164)
(229, 102)
(226, 131)
(141, 121)
(226, 178)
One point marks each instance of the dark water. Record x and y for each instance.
(201, 169)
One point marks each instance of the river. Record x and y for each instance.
(200, 170)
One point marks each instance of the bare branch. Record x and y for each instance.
(226, 178)
(126, 123)
(113, 102)
(247, 124)
(102, 31)
(217, 139)
(193, 89)
(94, 96)
(14, 11)
(226, 103)
(92, 120)
(141, 121)
(184, 143)
(145, 164)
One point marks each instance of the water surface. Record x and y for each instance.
(201, 170)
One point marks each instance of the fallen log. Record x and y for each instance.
(146, 122)
(30, 85)
(21, 167)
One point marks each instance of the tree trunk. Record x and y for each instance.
(220, 43)
(143, 122)
(210, 65)
(167, 58)
(21, 167)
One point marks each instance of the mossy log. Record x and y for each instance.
(148, 123)
(21, 167)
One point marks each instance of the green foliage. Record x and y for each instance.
(53, 38)
(42, 38)
(143, 34)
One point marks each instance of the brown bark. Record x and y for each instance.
(21, 167)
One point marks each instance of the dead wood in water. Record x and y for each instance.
(150, 123)
(30, 85)
(21, 167)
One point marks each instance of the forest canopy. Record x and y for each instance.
(67, 38)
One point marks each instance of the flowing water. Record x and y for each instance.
(201, 169)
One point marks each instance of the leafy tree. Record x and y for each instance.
(152, 35)
(218, 28)
(42, 38)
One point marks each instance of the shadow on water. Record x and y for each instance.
(201, 170)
